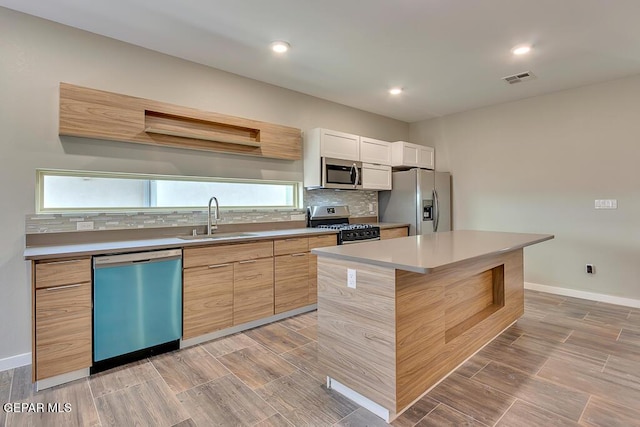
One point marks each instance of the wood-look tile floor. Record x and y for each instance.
(566, 362)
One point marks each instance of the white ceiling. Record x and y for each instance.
(448, 55)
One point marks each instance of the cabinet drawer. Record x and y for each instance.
(65, 272)
(63, 329)
(323, 241)
(220, 254)
(392, 233)
(291, 246)
(252, 290)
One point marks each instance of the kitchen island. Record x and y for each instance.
(395, 317)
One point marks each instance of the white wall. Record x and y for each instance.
(537, 165)
(37, 55)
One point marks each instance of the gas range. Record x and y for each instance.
(337, 218)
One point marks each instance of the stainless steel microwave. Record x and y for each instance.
(341, 174)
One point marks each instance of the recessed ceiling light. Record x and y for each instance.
(521, 50)
(395, 90)
(280, 46)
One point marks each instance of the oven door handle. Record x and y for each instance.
(359, 241)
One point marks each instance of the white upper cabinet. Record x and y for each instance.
(336, 145)
(406, 154)
(426, 157)
(374, 154)
(375, 151)
(376, 177)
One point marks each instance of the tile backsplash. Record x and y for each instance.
(361, 203)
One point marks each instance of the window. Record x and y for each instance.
(63, 191)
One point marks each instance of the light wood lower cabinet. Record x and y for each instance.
(226, 285)
(63, 329)
(291, 281)
(317, 242)
(392, 233)
(252, 290)
(207, 299)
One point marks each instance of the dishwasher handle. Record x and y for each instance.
(101, 261)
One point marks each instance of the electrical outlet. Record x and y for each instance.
(84, 225)
(606, 204)
(351, 278)
(370, 207)
(590, 269)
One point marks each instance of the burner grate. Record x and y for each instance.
(346, 226)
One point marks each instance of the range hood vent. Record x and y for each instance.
(520, 77)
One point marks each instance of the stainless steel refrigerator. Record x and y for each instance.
(419, 197)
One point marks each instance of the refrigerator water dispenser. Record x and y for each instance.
(427, 210)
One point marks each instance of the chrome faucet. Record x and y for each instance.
(210, 228)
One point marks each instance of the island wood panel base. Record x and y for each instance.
(388, 339)
(357, 328)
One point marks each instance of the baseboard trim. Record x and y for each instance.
(61, 379)
(592, 296)
(16, 361)
(358, 398)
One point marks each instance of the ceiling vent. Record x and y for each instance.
(520, 77)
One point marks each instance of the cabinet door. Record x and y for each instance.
(291, 281)
(376, 177)
(252, 290)
(409, 155)
(375, 151)
(392, 233)
(426, 157)
(339, 145)
(317, 242)
(207, 299)
(63, 329)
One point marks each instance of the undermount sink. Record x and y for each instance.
(216, 236)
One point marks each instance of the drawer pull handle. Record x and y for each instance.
(251, 261)
(290, 240)
(64, 287)
(219, 265)
(62, 262)
(300, 254)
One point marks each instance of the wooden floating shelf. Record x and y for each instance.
(92, 113)
(185, 127)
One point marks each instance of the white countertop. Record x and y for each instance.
(422, 254)
(45, 252)
(100, 248)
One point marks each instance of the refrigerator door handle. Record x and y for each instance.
(436, 207)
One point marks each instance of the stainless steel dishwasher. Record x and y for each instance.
(137, 306)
